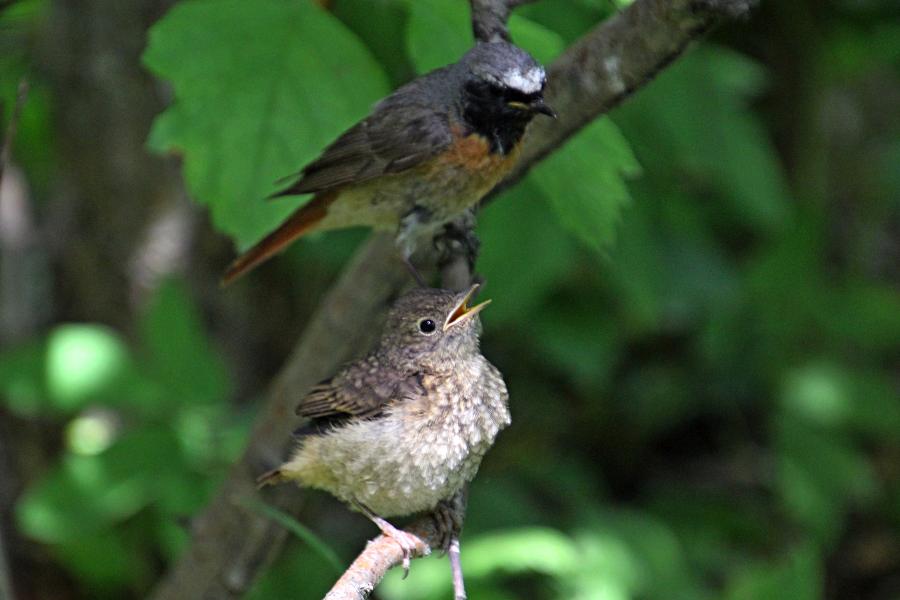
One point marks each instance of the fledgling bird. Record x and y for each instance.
(429, 151)
(404, 428)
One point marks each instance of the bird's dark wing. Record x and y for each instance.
(404, 130)
(362, 390)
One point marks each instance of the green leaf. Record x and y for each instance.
(577, 339)
(298, 572)
(635, 553)
(820, 475)
(86, 494)
(529, 253)
(536, 550)
(74, 366)
(84, 362)
(23, 386)
(102, 560)
(267, 85)
(439, 33)
(570, 19)
(818, 393)
(542, 43)
(584, 182)
(693, 126)
(798, 576)
(667, 268)
(179, 355)
(21, 24)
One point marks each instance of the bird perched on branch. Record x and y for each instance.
(404, 429)
(428, 152)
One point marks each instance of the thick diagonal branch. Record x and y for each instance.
(230, 545)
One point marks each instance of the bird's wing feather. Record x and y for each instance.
(404, 130)
(358, 392)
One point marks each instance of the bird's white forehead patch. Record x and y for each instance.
(528, 82)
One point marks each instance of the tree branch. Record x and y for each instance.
(230, 545)
(381, 554)
(489, 18)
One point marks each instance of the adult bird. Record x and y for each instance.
(426, 153)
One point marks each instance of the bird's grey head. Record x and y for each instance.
(506, 66)
(503, 89)
(432, 327)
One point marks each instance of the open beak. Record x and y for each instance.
(462, 311)
(539, 106)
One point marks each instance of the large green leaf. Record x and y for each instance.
(693, 125)
(526, 253)
(584, 182)
(261, 86)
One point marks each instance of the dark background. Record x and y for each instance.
(696, 303)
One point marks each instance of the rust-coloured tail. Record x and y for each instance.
(302, 221)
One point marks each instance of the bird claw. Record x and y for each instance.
(448, 519)
(409, 543)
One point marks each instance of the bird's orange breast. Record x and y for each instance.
(473, 153)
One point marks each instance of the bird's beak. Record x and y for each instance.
(535, 106)
(539, 106)
(462, 311)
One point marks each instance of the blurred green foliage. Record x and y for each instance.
(149, 434)
(703, 360)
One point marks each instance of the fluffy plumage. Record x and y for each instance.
(407, 426)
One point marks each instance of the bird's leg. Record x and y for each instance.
(414, 226)
(448, 516)
(457, 242)
(408, 542)
(413, 271)
(459, 587)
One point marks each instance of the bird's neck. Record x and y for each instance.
(502, 129)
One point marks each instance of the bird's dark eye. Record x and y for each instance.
(427, 326)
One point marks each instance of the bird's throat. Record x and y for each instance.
(502, 128)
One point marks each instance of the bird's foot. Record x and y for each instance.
(411, 544)
(448, 520)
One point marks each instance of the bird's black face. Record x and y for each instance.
(502, 90)
(501, 113)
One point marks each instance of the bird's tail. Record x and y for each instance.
(273, 477)
(302, 221)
